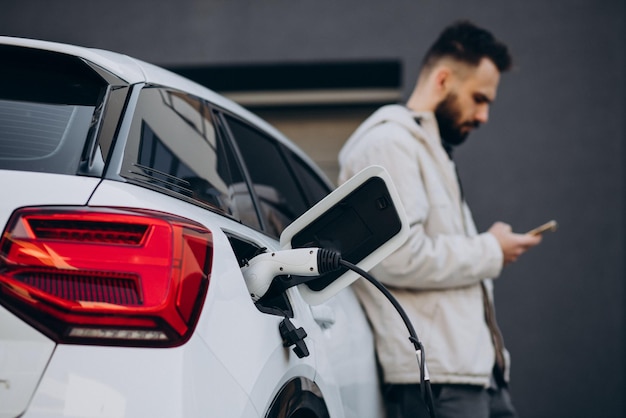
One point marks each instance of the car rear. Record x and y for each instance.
(88, 291)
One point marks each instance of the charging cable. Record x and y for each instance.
(425, 388)
(302, 265)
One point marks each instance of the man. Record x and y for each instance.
(442, 274)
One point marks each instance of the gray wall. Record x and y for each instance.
(553, 149)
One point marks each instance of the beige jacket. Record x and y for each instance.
(436, 275)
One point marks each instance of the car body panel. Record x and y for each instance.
(100, 382)
(24, 354)
(23, 188)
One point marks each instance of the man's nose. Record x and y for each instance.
(482, 114)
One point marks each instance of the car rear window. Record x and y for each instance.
(48, 104)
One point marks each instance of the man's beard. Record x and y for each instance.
(448, 115)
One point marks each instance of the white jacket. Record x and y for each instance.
(436, 275)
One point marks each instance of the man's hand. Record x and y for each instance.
(513, 245)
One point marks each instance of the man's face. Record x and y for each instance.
(452, 128)
(466, 105)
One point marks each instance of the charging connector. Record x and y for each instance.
(260, 271)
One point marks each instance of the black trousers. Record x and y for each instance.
(451, 401)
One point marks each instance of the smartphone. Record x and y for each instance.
(548, 226)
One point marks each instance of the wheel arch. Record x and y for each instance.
(299, 398)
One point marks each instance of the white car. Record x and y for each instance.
(133, 202)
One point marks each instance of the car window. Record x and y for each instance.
(49, 105)
(175, 146)
(275, 184)
(313, 186)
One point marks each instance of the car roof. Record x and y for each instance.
(133, 70)
(129, 69)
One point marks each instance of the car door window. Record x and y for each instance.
(275, 184)
(314, 188)
(175, 146)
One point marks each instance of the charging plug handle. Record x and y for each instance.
(259, 272)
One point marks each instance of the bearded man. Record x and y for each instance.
(442, 275)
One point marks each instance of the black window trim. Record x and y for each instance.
(289, 160)
(224, 127)
(111, 106)
(282, 150)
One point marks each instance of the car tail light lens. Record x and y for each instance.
(105, 276)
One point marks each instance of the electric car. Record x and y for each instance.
(133, 201)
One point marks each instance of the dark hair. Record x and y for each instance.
(468, 43)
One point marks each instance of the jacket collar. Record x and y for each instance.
(426, 132)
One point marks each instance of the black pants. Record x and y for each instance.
(451, 401)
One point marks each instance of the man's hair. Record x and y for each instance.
(468, 43)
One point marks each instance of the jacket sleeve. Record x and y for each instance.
(425, 261)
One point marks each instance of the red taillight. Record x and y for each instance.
(105, 276)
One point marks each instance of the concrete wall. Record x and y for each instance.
(553, 148)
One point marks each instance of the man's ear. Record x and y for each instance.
(443, 80)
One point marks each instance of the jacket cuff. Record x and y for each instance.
(496, 257)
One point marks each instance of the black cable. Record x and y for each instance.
(425, 388)
(330, 260)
